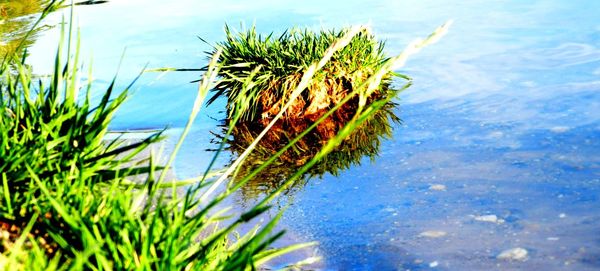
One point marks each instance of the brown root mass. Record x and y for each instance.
(362, 142)
(321, 96)
(307, 109)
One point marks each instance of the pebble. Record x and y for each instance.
(489, 218)
(433, 264)
(513, 254)
(433, 234)
(437, 187)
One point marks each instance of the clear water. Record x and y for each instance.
(504, 113)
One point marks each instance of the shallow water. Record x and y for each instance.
(503, 119)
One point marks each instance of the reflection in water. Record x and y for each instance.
(19, 27)
(16, 20)
(365, 141)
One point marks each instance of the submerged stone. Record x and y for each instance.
(489, 218)
(513, 254)
(433, 234)
(437, 187)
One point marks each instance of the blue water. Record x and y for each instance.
(504, 113)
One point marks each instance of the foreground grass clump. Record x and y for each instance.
(67, 199)
(68, 202)
(275, 65)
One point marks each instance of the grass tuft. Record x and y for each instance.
(256, 68)
(258, 75)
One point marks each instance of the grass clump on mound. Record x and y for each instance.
(259, 73)
(314, 94)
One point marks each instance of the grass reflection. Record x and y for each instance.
(17, 17)
(364, 142)
(20, 23)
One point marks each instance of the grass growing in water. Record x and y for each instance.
(275, 66)
(363, 92)
(260, 74)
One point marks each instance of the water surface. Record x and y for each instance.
(503, 119)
